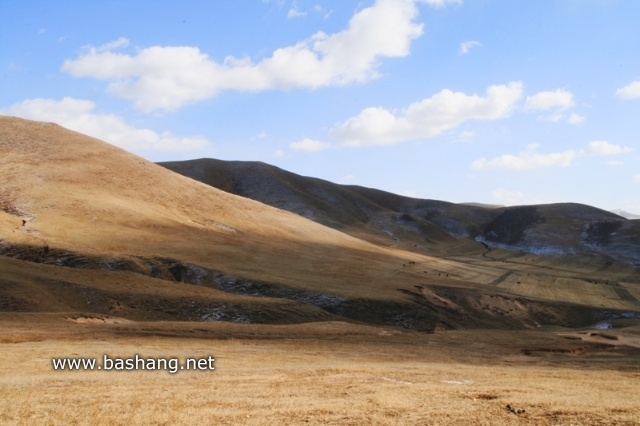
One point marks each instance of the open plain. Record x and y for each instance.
(328, 373)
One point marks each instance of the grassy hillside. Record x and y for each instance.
(87, 228)
(557, 229)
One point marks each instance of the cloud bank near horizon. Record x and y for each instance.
(531, 159)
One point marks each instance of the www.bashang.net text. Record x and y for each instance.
(134, 363)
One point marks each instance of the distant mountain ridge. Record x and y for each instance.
(625, 214)
(382, 217)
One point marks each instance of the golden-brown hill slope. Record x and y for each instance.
(64, 190)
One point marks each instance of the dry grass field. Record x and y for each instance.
(103, 252)
(329, 373)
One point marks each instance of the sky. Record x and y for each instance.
(493, 101)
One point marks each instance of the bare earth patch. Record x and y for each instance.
(96, 319)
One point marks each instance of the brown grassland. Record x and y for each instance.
(96, 247)
(328, 373)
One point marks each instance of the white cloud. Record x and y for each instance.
(279, 153)
(507, 197)
(309, 145)
(319, 9)
(636, 177)
(115, 44)
(430, 117)
(615, 163)
(630, 91)
(575, 119)
(169, 77)
(531, 159)
(559, 98)
(79, 115)
(558, 101)
(440, 3)
(294, 12)
(604, 148)
(262, 135)
(559, 116)
(528, 159)
(466, 46)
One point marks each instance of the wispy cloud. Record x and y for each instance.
(560, 99)
(555, 104)
(115, 44)
(322, 11)
(604, 148)
(295, 12)
(532, 159)
(575, 119)
(309, 145)
(465, 47)
(526, 160)
(440, 3)
(79, 115)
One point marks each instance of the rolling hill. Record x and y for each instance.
(382, 217)
(89, 229)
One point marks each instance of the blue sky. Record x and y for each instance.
(493, 101)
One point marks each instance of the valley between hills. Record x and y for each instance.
(322, 303)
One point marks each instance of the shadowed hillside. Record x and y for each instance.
(378, 216)
(375, 216)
